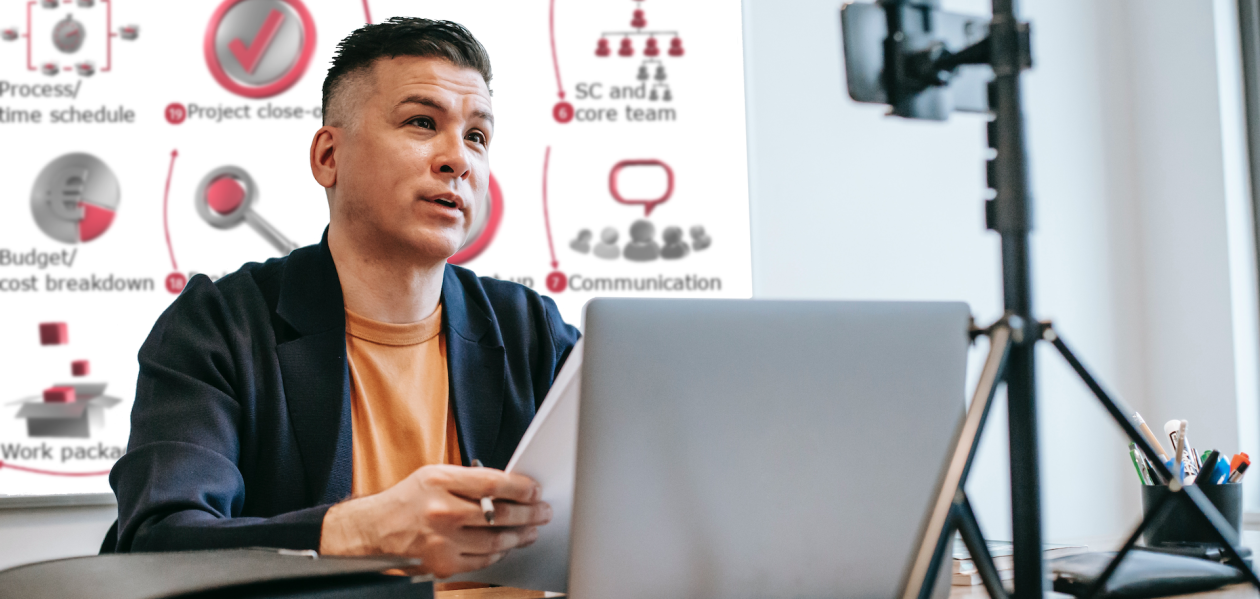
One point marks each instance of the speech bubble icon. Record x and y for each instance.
(648, 205)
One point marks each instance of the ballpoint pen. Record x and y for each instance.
(487, 503)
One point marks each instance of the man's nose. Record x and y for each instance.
(450, 157)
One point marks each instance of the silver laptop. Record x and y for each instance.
(733, 449)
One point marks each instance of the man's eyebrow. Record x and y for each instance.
(482, 114)
(423, 101)
(431, 103)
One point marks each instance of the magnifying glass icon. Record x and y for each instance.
(225, 199)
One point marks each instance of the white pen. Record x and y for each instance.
(487, 503)
(1174, 430)
(1194, 453)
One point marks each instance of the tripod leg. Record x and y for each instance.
(939, 526)
(1153, 518)
(969, 528)
(1121, 418)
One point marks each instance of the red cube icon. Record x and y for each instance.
(80, 368)
(59, 395)
(53, 333)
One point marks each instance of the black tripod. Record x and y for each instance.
(909, 75)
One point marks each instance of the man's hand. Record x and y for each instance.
(434, 514)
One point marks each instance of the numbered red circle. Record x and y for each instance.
(175, 282)
(175, 113)
(556, 281)
(563, 112)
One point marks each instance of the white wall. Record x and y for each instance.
(1139, 255)
(37, 534)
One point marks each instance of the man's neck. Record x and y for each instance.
(386, 286)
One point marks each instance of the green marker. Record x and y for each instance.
(1133, 456)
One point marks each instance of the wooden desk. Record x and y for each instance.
(1251, 539)
(1237, 591)
(493, 593)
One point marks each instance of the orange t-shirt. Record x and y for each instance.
(399, 402)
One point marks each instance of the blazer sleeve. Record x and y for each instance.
(179, 486)
(563, 335)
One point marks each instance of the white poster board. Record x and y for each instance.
(114, 113)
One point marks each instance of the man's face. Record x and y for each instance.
(413, 167)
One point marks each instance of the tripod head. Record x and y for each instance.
(922, 61)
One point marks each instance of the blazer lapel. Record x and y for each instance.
(476, 367)
(315, 372)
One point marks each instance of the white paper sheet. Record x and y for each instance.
(547, 453)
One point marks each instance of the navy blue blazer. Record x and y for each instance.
(240, 433)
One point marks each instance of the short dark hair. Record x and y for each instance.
(403, 36)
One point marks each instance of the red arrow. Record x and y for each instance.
(546, 216)
(551, 20)
(367, 14)
(166, 226)
(50, 472)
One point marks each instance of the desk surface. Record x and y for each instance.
(1237, 591)
(1251, 539)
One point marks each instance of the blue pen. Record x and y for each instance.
(1221, 472)
(1172, 467)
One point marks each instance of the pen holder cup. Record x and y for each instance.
(1182, 524)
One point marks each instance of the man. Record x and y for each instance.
(332, 399)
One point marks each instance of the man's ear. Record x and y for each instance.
(324, 155)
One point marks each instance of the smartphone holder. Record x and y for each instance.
(926, 63)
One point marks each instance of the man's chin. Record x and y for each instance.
(431, 247)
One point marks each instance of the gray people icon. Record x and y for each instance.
(675, 247)
(607, 246)
(699, 239)
(582, 244)
(642, 246)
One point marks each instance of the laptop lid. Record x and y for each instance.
(733, 448)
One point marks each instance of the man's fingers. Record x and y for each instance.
(507, 513)
(451, 565)
(468, 563)
(490, 541)
(475, 483)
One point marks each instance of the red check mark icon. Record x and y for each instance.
(249, 57)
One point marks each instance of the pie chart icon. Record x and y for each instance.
(75, 198)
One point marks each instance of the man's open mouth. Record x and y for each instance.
(447, 203)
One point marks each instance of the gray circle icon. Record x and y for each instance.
(75, 198)
(259, 41)
(68, 35)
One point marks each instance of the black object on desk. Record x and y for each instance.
(1184, 524)
(1141, 574)
(236, 573)
(1212, 551)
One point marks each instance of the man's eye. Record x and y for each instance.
(477, 137)
(422, 121)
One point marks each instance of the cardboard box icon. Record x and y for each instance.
(54, 333)
(74, 419)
